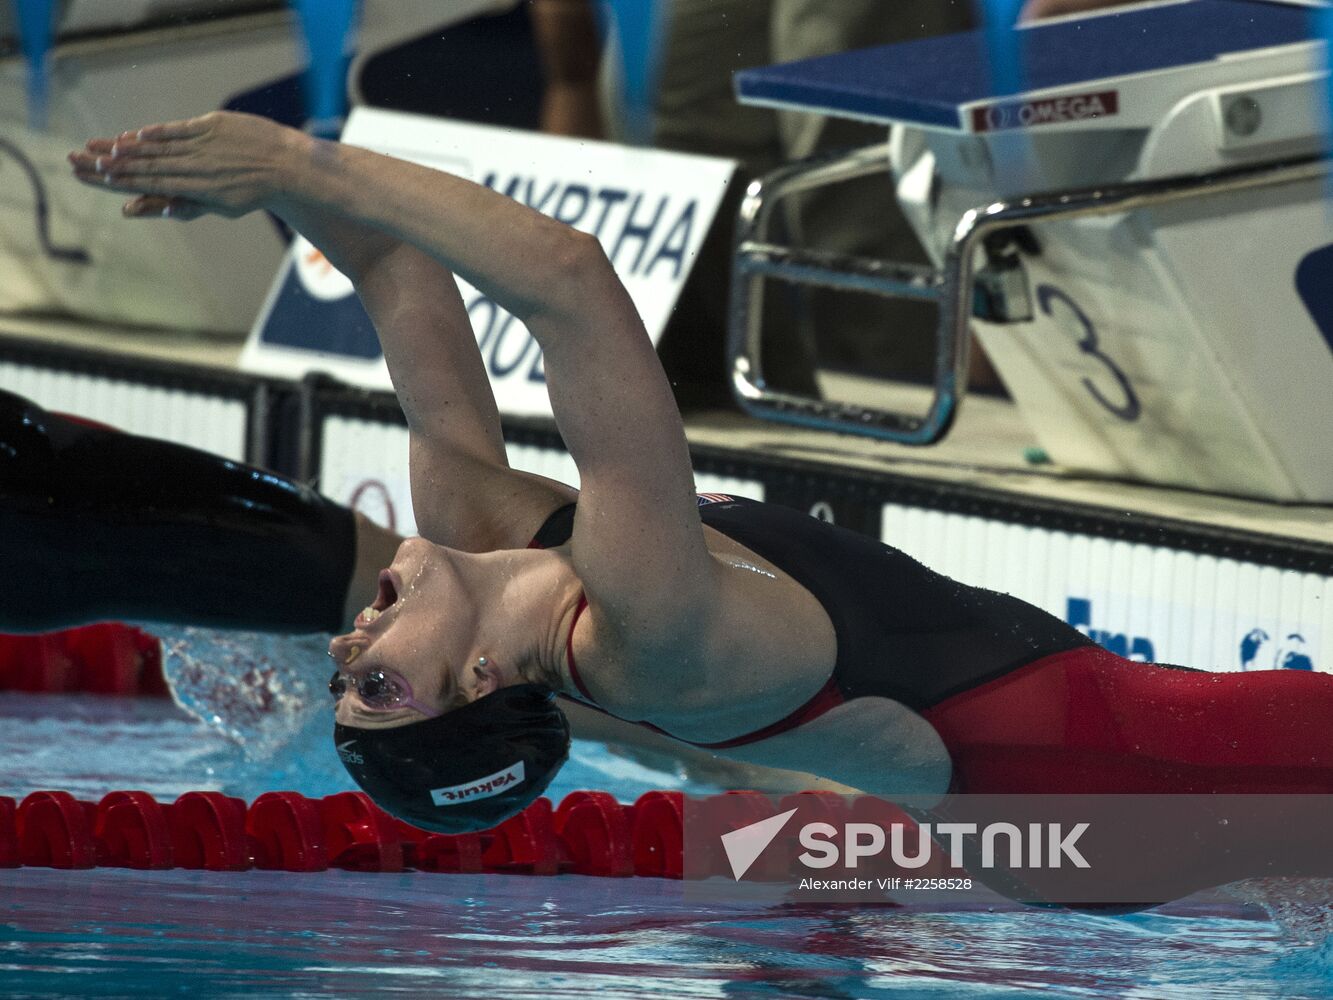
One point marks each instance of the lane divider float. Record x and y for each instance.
(589, 833)
(107, 658)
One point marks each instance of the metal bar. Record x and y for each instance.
(830, 270)
(953, 288)
(1113, 199)
(756, 258)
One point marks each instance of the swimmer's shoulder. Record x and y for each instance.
(761, 644)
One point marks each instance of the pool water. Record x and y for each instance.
(112, 933)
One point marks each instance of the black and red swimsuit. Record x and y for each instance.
(1022, 701)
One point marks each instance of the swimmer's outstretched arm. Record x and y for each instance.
(638, 546)
(457, 451)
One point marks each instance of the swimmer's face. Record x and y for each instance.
(421, 626)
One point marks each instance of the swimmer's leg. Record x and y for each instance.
(98, 525)
(1088, 721)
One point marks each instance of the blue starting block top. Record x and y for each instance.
(931, 82)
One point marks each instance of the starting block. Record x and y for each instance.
(1139, 238)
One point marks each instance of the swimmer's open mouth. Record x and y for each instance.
(386, 598)
(388, 591)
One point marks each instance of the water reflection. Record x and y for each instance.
(116, 933)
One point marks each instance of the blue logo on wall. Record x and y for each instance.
(1258, 650)
(302, 321)
(1078, 612)
(1316, 291)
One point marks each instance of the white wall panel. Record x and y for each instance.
(213, 423)
(707, 482)
(1191, 609)
(549, 462)
(364, 464)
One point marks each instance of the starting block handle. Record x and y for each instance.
(954, 288)
(757, 259)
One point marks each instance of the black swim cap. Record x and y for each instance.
(469, 769)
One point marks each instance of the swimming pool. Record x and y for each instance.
(111, 932)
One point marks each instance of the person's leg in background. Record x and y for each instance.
(570, 52)
(695, 111)
(706, 42)
(858, 333)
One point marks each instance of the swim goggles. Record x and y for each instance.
(381, 691)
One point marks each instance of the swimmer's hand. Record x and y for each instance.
(220, 163)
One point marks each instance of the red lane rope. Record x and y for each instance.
(102, 659)
(589, 833)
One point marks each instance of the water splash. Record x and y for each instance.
(265, 694)
(252, 687)
(1302, 910)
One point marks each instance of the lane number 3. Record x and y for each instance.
(1119, 401)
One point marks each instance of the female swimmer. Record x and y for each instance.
(98, 525)
(748, 629)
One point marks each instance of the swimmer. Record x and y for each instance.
(86, 514)
(749, 630)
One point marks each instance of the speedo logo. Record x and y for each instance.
(349, 756)
(482, 788)
(1049, 111)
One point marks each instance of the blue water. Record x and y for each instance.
(113, 933)
(339, 934)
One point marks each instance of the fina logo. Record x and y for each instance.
(320, 279)
(1257, 650)
(1050, 111)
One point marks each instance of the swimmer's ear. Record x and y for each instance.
(485, 677)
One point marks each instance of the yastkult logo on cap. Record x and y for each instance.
(482, 788)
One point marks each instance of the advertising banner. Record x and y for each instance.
(650, 210)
